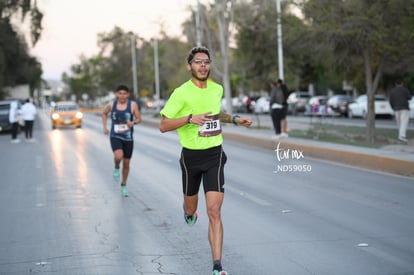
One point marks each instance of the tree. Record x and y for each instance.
(9, 8)
(376, 34)
(85, 77)
(99, 74)
(172, 69)
(216, 30)
(256, 49)
(16, 65)
(223, 10)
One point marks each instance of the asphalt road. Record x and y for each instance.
(62, 213)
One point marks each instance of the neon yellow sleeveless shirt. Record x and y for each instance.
(190, 99)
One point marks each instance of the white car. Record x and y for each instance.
(411, 105)
(297, 102)
(236, 104)
(359, 108)
(262, 105)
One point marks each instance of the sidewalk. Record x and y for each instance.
(396, 159)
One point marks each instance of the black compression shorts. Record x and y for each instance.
(206, 165)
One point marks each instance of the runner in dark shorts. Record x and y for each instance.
(194, 111)
(124, 114)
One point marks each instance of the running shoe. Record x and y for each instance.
(284, 135)
(403, 139)
(124, 190)
(276, 137)
(190, 220)
(116, 175)
(216, 272)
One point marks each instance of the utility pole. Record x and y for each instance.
(157, 76)
(134, 64)
(279, 40)
(198, 25)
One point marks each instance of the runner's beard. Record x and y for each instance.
(194, 73)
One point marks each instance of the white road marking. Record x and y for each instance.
(248, 196)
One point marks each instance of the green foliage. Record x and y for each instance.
(256, 50)
(323, 48)
(372, 38)
(348, 28)
(257, 44)
(98, 75)
(9, 8)
(16, 65)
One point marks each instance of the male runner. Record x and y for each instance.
(124, 114)
(193, 109)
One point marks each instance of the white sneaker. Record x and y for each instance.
(284, 135)
(276, 137)
(15, 140)
(403, 139)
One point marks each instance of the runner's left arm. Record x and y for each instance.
(227, 118)
(136, 114)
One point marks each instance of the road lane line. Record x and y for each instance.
(248, 196)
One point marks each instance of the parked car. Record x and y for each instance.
(4, 113)
(262, 105)
(238, 104)
(339, 104)
(359, 108)
(66, 113)
(317, 105)
(4, 116)
(297, 102)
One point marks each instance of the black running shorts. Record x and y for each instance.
(127, 146)
(207, 165)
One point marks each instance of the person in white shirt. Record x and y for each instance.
(28, 113)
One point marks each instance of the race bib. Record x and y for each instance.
(210, 128)
(121, 128)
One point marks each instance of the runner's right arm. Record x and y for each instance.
(105, 112)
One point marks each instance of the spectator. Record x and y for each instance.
(283, 122)
(399, 100)
(28, 112)
(276, 108)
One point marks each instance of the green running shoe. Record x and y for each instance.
(116, 175)
(124, 190)
(216, 272)
(190, 220)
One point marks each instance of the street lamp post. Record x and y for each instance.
(157, 77)
(279, 40)
(134, 64)
(198, 25)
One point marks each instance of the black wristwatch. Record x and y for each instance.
(190, 119)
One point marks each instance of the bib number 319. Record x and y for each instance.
(210, 128)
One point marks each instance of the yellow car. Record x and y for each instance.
(66, 113)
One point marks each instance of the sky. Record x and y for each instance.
(70, 27)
